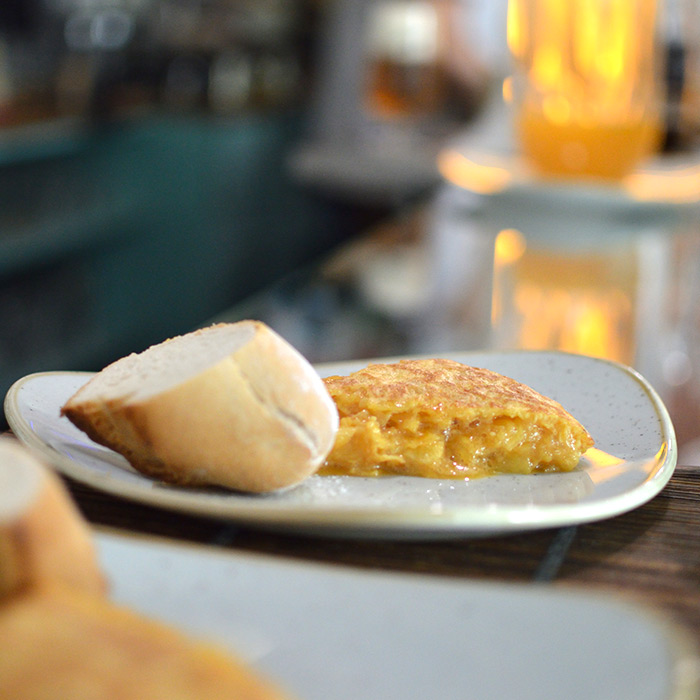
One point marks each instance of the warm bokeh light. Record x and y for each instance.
(509, 247)
(576, 303)
(585, 321)
(475, 177)
(678, 186)
(585, 86)
(674, 185)
(507, 89)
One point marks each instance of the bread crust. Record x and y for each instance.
(258, 420)
(43, 536)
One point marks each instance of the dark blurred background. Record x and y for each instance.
(152, 169)
(143, 177)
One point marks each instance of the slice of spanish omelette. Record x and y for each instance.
(439, 418)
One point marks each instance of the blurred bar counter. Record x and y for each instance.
(115, 236)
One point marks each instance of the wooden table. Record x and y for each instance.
(651, 554)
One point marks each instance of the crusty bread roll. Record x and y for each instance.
(66, 645)
(231, 405)
(43, 537)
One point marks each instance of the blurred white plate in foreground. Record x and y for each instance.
(324, 631)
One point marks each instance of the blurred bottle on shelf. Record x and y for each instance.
(681, 31)
(118, 58)
(418, 69)
(404, 77)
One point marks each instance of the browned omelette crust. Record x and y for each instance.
(440, 418)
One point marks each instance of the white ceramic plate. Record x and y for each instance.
(634, 456)
(323, 631)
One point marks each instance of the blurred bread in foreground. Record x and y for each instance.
(43, 536)
(62, 638)
(442, 419)
(231, 405)
(63, 644)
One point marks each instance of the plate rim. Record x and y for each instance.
(395, 521)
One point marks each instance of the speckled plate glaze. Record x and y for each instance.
(633, 458)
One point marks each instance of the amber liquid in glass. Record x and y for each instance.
(585, 85)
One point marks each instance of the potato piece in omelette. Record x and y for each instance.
(439, 418)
